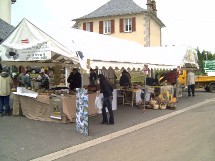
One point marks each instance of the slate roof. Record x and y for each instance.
(117, 8)
(5, 29)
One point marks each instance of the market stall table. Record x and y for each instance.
(39, 108)
(130, 96)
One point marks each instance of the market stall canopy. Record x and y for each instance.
(174, 56)
(102, 50)
(29, 43)
(108, 51)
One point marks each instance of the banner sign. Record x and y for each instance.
(40, 51)
(82, 123)
(209, 66)
(55, 107)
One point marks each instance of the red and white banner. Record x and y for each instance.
(25, 41)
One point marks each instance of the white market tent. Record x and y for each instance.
(107, 51)
(28, 44)
(102, 50)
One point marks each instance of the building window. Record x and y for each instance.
(107, 27)
(88, 26)
(128, 25)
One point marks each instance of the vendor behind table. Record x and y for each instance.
(93, 77)
(43, 80)
(74, 79)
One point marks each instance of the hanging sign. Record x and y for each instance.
(40, 51)
(209, 66)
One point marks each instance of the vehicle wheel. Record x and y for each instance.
(212, 88)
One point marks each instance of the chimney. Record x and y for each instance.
(149, 5)
(5, 10)
(154, 10)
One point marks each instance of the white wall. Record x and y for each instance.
(5, 10)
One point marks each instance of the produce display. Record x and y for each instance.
(162, 101)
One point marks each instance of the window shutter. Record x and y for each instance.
(133, 24)
(101, 27)
(112, 27)
(121, 25)
(91, 26)
(84, 26)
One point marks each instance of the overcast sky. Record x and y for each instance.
(188, 22)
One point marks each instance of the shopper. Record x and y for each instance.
(107, 90)
(74, 79)
(5, 91)
(191, 83)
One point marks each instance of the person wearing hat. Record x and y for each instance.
(5, 91)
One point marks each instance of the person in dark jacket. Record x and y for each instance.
(93, 77)
(125, 79)
(107, 90)
(74, 79)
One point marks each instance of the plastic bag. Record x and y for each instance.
(98, 102)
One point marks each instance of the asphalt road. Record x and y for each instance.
(22, 139)
(186, 137)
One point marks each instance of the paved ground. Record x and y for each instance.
(188, 136)
(23, 139)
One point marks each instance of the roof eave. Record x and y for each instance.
(151, 14)
(79, 19)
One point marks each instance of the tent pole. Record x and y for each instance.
(144, 99)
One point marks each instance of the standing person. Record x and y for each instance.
(107, 90)
(191, 83)
(5, 90)
(74, 79)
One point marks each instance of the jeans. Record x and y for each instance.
(192, 88)
(5, 100)
(107, 102)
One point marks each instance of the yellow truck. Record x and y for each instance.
(208, 82)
